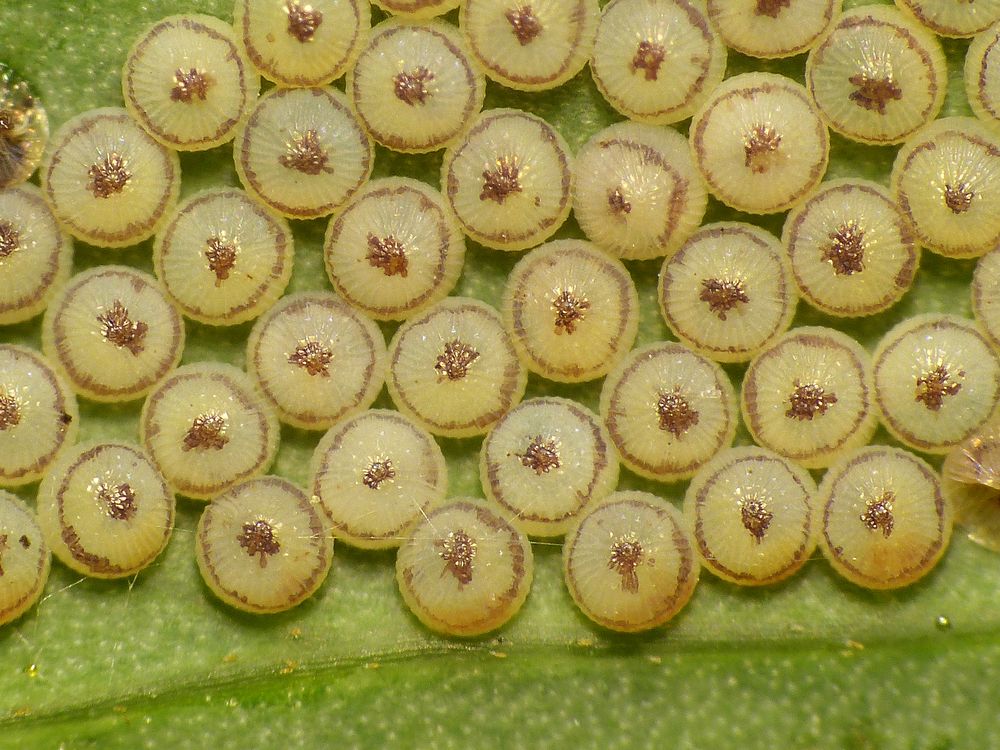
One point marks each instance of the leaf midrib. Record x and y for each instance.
(256, 681)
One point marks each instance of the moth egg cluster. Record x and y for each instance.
(572, 310)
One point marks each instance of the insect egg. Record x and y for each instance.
(936, 381)
(885, 521)
(759, 143)
(809, 396)
(262, 547)
(986, 296)
(299, 43)
(206, 428)
(523, 195)
(303, 152)
(728, 292)
(107, 181)
(24, 558)
(571, 310)
(35, 254)
(223, 258)
(395, 249)
(656, 60)
(636, 191)
(982, 75)
(877, 77)
(629, 562)
(187, 82)
(752, 517)
(463, 569)
(852, 252)
(950, 18)
(38, 416)
(417, 9)
(24, 129)
(105, 510)
(545, 461)
(316, 360)
(668, 411)
(414, 85)
(530, 45)
(113, 333)
(454, 369)
(374, 475)
(970, 478)
(772, 28)
(946, 180)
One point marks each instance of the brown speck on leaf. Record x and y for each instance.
(570, 310)
(119, 329)
(190, 84)
(675, 414)
(305, 154)
(808, 400)
(458, 550)
(617, 202)
(258, 539)
(500, 182)
(626, 556)
(118, 499)
(3, 547)
(221, 256)
(760, 148)
(958, 198)
(873, 93)
(379, 471)
(10, 412)
(878, 514)
(846, 251)
(755, 516)
(109, 176)
(303, 20)
(207, 431)
(541, 455)
(24, 541)
(454, 362)
(524, 23)
(771, 8)
(10, 239)
(648, 58)
(388, 254)
(313, 357)
(411, 87)
(722, 295)
(933, 386)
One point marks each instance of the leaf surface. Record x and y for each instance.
(813, 663)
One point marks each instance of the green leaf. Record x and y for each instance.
(812, 663)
